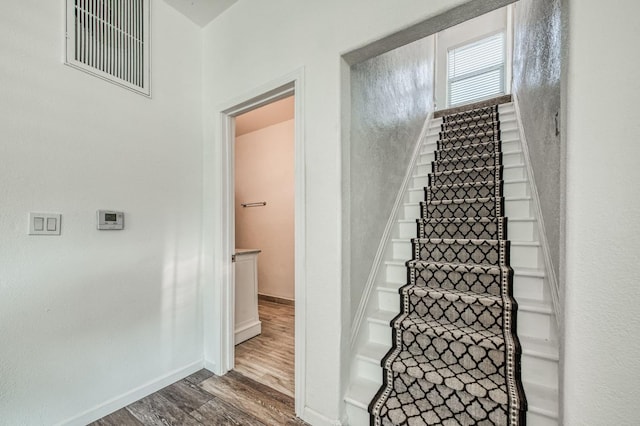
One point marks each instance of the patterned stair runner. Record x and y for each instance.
(455, 357)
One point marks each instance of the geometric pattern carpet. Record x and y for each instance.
(455, 356)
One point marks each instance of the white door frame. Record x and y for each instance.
(273, 91)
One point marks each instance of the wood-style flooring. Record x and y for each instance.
(269, 357)
(259, 392)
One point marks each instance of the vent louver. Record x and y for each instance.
(110, 39)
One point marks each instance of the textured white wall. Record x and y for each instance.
(391, 96)
(602, 367)
(88, 316)
(251, 44)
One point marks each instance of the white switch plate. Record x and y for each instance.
(44, 223)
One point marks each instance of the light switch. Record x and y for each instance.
(44, 223)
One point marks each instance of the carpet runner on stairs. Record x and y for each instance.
(455, 358)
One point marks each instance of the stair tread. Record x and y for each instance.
(373, 351)
(540, 348)
(541, 399)
(473, 381)
(460, 201)
(361, 391)
(465, 296)
(380, 315)
(532, 305)
(487, 338)
(472, 169)
(465, 158)
(454, 266)
(456, 241)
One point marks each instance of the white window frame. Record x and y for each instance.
(502, 67)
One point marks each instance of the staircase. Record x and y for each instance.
(536, 327)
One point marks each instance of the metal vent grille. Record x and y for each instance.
(110, 39)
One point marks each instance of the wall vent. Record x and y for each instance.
(110, 39)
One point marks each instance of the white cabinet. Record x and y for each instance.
(247, 321)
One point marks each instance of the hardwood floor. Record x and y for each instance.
(269, 357)
(258, 392)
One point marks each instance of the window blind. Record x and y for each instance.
(476, 70)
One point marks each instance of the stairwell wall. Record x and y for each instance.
(391, 96)
(536, 84)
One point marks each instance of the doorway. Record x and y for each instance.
(224, 347)
(264, 242)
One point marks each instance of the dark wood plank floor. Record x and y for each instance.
(206, 399)
(269, 357)
(258, 392)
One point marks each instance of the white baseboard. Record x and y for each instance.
(549, 271)
(131, 396)
(248, 331)
(316, 419)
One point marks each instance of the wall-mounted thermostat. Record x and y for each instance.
(108, 219)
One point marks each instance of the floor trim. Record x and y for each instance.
(275, 299)
(121, 401)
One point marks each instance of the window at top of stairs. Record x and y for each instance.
(476, 70)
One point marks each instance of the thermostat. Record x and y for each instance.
(108, 219)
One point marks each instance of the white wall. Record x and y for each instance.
(264, 172)
(602, 367)
(88, 316)
(251, 44)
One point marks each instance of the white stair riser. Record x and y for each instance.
(535, 324)
(389, 300)
(423, 168)
(411, 211)
(527, 287)
(378, 332)
(511, 158)
(533, 419)
(513, 208)
(357, 416)
(515, 189)
(402, 250)
(524, 256)
(507, 131)
(426, 158)
(521, 230)
(517, 208)
(407, 230)
(420, 181)
(367, 369)
(513, 173)
(541, 371)
(396, 273)
(524, 287)
(511, 189)
(510, 144)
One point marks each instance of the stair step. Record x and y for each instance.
(484, 382)
(463, 208)
(470, 175)
(458, 307)
(417, 401)
(511, 188)
(454, 228)
(529, 284)
(468, 151)
(468, 139)
(479, 252)
(485, 160)
(457, 276)
(378, 326)
(462, 191)
(535, 319)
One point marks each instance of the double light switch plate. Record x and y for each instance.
(44, 223)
